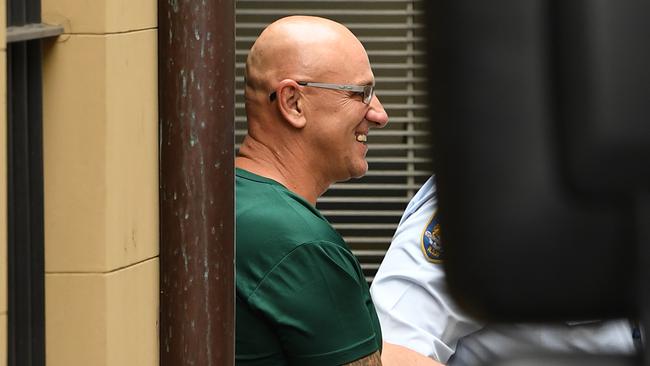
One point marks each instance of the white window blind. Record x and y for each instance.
(366, 211)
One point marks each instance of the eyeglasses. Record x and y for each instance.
(367, 91)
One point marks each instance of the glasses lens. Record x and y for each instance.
(368, 92)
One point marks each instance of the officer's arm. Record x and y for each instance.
(394, 355)
(371, 360)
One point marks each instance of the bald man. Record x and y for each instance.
(302, 298)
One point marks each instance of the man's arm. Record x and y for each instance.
(409, 289)
(371, 360)
(394, 355)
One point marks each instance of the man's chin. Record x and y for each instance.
(360, 172)
(355, 172)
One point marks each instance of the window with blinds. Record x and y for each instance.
(366, 211)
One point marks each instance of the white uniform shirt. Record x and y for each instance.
(416, 311)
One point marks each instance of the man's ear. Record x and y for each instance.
(290, 103)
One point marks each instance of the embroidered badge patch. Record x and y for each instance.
(431, 244)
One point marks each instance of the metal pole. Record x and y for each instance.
(196, 41)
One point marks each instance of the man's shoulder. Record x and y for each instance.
(271, 223)
(422, 201)
(265, 207)
(280, 217)
(268, 200)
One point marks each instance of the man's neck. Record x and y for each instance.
(295, 178)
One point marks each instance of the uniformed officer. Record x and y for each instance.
(416, 311)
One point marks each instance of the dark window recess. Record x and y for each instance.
(26, 327)
(26, 272)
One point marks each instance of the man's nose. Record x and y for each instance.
(376, 113)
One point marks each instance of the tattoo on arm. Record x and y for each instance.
(371, 360)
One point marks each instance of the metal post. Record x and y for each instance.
(196, 41)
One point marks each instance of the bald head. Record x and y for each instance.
(300, 48)
(292, 124)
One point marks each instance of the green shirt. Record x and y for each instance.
(302, 298)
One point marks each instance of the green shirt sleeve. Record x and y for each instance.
(317, 300)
